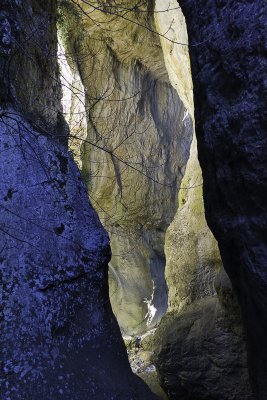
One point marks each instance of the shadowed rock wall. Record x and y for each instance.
(199, 345)
(58, 336)
(24, 52)
(228, 58)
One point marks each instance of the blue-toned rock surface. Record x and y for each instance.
(58, 336)
(228, 58)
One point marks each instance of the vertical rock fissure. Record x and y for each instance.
(136, 160)
(139, 107)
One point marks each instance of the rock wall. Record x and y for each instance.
(137, 117)
(25, 52)
(192, 254)
(199, 346)
(58, 336)
(134, 81)
(228, 58)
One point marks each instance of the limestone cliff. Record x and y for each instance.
(192, 254)
(203, 319)
(139, 105)
(58, 336)
(228, 57)
(24, 52)
(135, 115)
(133, 108)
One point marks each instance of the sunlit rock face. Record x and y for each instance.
(58, 336)
(229, 73)
(199, 345)
(138, 100)
(138, 118)
(73, 103)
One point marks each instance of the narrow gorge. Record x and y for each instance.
(133, 206)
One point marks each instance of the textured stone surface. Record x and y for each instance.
(199, 354)
(141, 364)
(58, 336)
(228, 58)
(136, 115)
(194, 273)
(28, 48)
(192, 254)
(55, 311)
